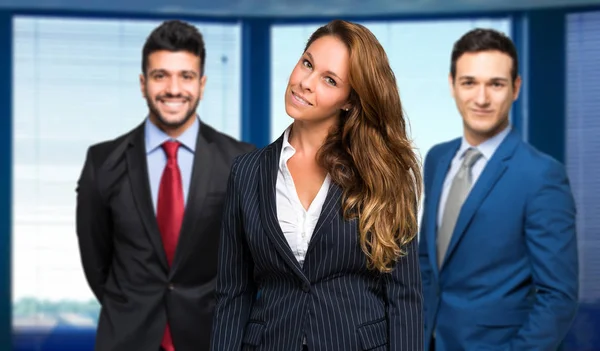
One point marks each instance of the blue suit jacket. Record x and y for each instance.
(333, 299)
(510, 277)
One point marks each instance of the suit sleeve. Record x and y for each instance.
(551, 241)
(405, 302)
(93, 229)
(235, 289)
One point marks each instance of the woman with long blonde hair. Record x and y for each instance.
(318, 248)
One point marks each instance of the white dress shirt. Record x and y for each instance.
(487, 149)
(297, 223)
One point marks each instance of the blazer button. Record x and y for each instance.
(306, 288)
(171, 286)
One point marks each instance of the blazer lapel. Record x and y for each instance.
(331, 208)
(137, 170)
(199, 187)
(269, 167)
(492, 172)
(440, 172)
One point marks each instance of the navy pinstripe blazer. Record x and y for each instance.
(333, 299)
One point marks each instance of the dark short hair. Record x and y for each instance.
(174, 35)
(478, 40)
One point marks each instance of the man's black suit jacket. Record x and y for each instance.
(122, 252)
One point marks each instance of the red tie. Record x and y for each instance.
(169, 214)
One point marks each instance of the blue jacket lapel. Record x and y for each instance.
(488, 178)
(440, 171)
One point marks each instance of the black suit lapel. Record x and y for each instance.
(137, 170)
(202, 171)
(269, 167)
(331, 208)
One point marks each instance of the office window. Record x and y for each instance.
(583, 165)
(583, 144)
(419, 53)
(76, 82)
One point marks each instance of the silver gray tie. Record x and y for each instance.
(459, 190)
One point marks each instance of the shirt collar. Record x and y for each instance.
(155, 137)
(286, 147)
(488, 147)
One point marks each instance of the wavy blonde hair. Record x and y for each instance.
(369, 154)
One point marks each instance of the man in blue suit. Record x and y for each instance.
(498, 248)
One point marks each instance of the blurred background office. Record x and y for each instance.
(71, 72)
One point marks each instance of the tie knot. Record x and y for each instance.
(471, 156)
(170, 148)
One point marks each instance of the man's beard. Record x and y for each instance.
(191, 112)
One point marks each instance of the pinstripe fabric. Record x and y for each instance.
(333, 298)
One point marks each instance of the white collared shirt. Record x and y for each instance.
(487, 149)
(297, 223)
